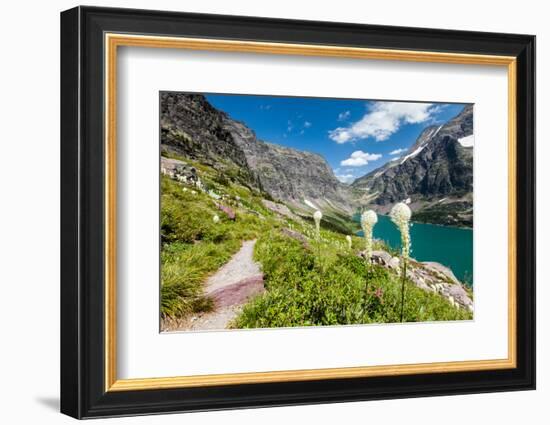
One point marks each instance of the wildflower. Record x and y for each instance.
(368, 220)
(317, 216)
(348, 238)
(216, 219)
(193, 192)
(401, 214)
(184, 189)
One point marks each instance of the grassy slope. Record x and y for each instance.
(193, 246)
(330, 285)
(318, 283)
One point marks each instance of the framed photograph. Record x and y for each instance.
(261, 212)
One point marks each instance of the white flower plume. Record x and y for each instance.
(384, 119)
(360, 158)
(368, 220)
(400, 214)
(317, 216)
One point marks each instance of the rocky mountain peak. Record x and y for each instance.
(436, 171)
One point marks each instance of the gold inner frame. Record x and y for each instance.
(113, 41)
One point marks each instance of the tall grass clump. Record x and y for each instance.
(196, 240)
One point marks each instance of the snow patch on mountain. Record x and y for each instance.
(413, 153)
(310, 204)
(467, 142)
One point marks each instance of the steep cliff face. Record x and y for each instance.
(300, 178)
(194, 129)
(435, 176)
(191, 127)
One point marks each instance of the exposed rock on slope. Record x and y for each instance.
(300, 178)
(435, 176)
(429, 276)
(194, 129)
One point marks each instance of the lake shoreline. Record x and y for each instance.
(450, 246)
(418, 222)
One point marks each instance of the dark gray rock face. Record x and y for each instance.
(192, 128)
(289, 174)
(438, 167)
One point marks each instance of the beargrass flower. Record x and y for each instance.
(368, 220)
(216, 218)
(401, 214)
(348, 238)
(317, 216)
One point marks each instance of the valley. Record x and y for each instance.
(223, 189)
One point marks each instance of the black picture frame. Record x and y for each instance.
(83, 392)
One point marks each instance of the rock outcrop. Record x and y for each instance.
(430, 276)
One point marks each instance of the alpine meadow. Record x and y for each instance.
(298, 211)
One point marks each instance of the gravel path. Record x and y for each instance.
(241, 266)
(230, 287)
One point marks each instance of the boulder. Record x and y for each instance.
(429, 276)
(440, 268)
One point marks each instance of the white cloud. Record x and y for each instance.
(345, 178)
(384, 119)
(307, 124)
(398, 151)
(343, 116)
(360, 158)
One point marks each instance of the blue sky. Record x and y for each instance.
(354, 136)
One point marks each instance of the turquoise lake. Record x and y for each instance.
(450, 246)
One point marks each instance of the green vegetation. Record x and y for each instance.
(308, 281)
(450, 214)
(336, 222)
(303, 290)
(193, 246)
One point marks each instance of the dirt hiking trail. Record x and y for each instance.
(230, 287)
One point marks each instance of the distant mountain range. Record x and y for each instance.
(435, 176)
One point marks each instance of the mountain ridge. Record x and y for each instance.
(192, 127)
(435, 176)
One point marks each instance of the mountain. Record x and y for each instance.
(192, 128)
(435, 176)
